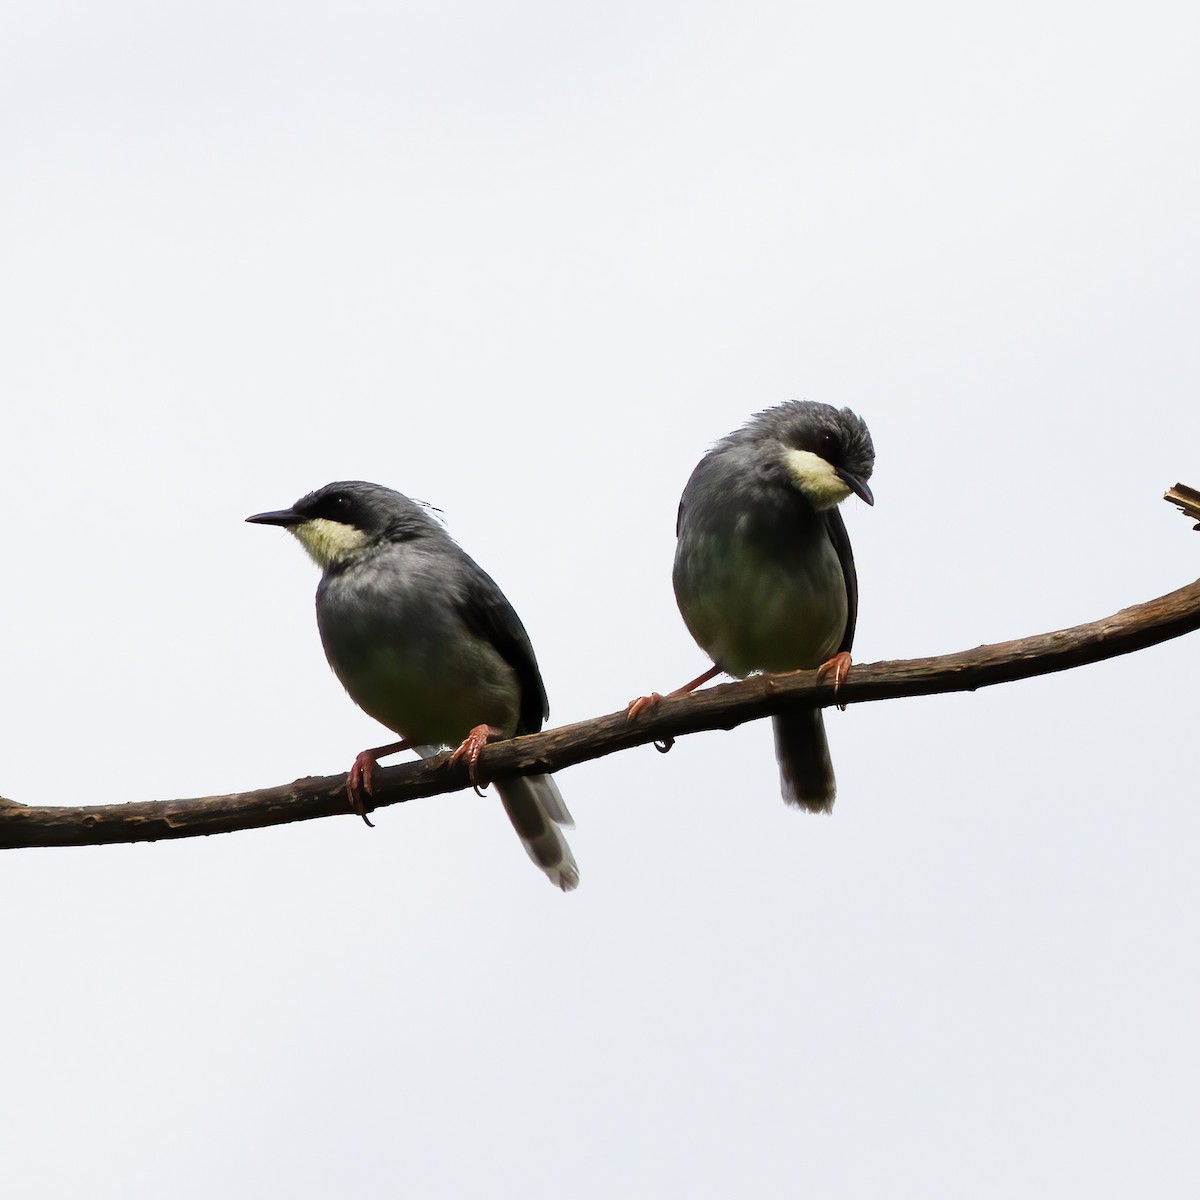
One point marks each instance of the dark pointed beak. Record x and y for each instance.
(285, 517)
(856, 485)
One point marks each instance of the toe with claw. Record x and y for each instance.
(635, 708)
(839, 667)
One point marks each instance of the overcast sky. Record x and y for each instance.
(526, 262)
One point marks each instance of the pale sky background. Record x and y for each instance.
(527, 261)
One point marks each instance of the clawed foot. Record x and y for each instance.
(471, 749)
(839, 667)
(635, 708)
(362, 777)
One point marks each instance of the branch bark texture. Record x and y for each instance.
(722, 707)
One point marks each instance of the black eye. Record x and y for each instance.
(337, 507)
(828, 447)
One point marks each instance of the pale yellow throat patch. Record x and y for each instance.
(815, 478)
(329, 541)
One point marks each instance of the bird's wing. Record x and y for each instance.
(841, 543)
(487, 612)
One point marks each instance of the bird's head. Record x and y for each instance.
(826, 452)
(340, 520)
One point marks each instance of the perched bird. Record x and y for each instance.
(427, 644)
(764, 575)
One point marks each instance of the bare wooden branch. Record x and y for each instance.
(1186, 499)
(721, 707)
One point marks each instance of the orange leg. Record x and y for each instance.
(635, 708)
(362, 776)
(839, 667)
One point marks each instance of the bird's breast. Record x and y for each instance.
(407, 659)
(762, 605)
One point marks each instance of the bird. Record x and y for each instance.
(764, 575)
(425, 642)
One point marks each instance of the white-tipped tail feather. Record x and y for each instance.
(536, 809)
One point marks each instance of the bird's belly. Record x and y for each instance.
(429, 691)
(754, 612)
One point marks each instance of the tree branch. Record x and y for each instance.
(1186, 499)
(721, 707)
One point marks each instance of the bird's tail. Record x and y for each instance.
(805, 768)
(536, 809)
